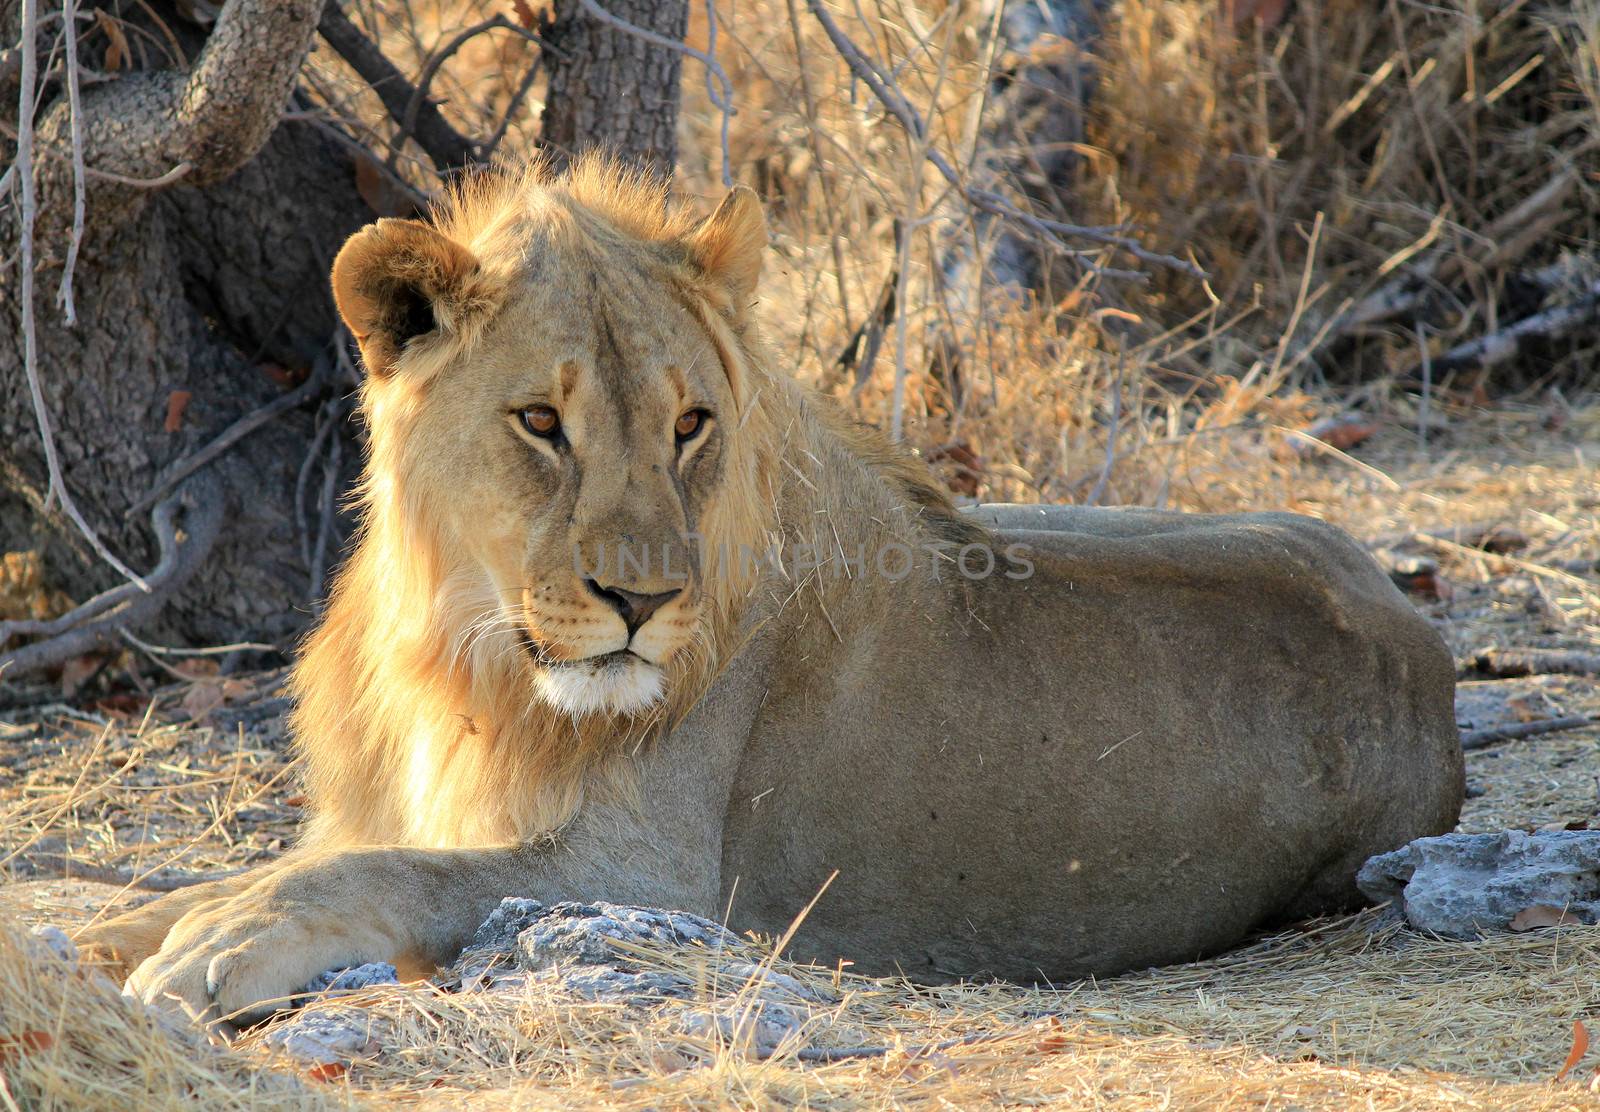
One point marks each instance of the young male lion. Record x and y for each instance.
(636, 617)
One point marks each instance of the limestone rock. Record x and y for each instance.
(1464, 885)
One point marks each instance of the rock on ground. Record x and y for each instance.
(1464, 885)
(586, 951)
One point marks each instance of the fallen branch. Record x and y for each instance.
(1506, 344)
(1506, 240)
(202, 508)
(1482, 739)
(59, 865)
(1511, 663)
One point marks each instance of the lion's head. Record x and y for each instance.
(557, 376)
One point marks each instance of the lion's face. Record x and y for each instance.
(567, 449)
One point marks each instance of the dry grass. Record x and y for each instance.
(1340, 1013)
(1297, 164)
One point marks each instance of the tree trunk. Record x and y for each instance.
(613, 89)
(204, 300)
(196, 289)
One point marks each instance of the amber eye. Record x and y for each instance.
(541, 421)
(690, 424)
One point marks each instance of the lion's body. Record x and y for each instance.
(1173, 731)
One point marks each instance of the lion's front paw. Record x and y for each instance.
(242, 958)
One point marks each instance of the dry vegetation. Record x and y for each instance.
(1317, 169)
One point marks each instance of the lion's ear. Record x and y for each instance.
(396, 280)
(728, 245)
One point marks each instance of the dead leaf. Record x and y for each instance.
(26, 1042)
(1056, 1039)
(1580, 1045)
(295, 801)
(177, 402)
(285, 377)
(201, 699)
(1342, 433)
(76, 672)
(117, 53)
(197, 667)
(967, 470)
(328, 1071)
(1543, 915)
(1268, 13)
(525, 15)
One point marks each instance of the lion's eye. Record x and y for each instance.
(690, 424)
(541, 421)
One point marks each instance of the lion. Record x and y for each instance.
(636, 616)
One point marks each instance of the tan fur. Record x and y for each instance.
(1172, 731)
(386, 700)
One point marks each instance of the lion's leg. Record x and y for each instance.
(243, 956)
(121, 943)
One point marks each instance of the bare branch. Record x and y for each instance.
(1051, 231)
(1513, 731)
(1497, 347)
(69, 26)
(492, 144)
(231, 435)
(419, 95)
(181, 170)
(57, 487)
(201, 504)
(447, 147)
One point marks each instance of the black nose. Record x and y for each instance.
(634, 607)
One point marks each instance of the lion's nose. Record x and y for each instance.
(634, 607)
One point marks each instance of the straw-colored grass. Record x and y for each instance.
(1301, 165)
(1354, 1012)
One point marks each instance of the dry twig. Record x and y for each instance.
(1051, 231)
(23, 164)
(1510, 663)
(201, 504)
(1515, 731)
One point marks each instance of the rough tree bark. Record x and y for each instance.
(610, 88)
(191, 287)
(209, 286)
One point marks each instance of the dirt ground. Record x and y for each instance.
(196, 777)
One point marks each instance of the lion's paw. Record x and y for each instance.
(239, 961)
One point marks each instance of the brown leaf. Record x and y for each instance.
(1580, 1045)
(1342, 434)
(283, 376)
(525, 15)
(197, 667)
(295, 801)
(328, 1071)
(1543, 915)
(968, 466)
(26, 1042)
(177, 402)
(201, 699)
(76, 672)
(117, 53)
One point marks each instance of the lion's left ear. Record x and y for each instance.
(728, 247)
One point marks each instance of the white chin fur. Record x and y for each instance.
(584, 688)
